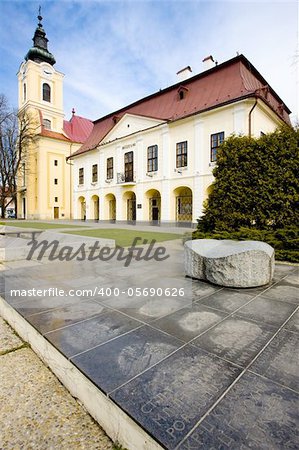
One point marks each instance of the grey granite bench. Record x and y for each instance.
(230, 263)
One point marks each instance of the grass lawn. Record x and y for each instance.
(124, 238)
(37, 225)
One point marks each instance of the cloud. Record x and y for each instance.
(115, 52)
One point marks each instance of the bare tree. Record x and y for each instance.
(16, 134)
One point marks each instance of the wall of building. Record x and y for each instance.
(168, 185)
(41, 192)
(40, 197)
(264, 120)
(168, 182)
(34, 75)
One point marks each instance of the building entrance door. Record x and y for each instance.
(184, 209)
(131, 209)
(56, 212)
(155, 203)
(112, 209)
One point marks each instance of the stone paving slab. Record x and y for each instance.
(123, 358)
(39, 305)
(236, 339)
(280, 361)
(293, 323)
(284, 292)
(293, 278)
(256, 414)
(68, 315)
(227, 301)
(145, 309)
(169, 399)
(187, 323)
(87, 334)
(264, 309)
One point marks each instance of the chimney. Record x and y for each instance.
(208, 62)
(185, 73)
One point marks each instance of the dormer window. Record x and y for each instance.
(281, 109)
(46, 92)
(115, 119)
(182, 92)
(47, 124)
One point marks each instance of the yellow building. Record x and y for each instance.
(45, 187)
(152, 161)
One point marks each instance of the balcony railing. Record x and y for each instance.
(123, 178)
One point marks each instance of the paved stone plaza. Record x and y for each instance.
(215, 368)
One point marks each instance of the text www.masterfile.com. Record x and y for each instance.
(100, 291)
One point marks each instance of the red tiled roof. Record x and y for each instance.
(53, 134)
(228, 82)
(78, 128)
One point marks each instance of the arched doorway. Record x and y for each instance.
(183, 201)
(130, 203)
(110, 207)
(95, 204)
(82, 208)
(153, 200)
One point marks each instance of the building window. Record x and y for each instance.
(181, 154)
(182, 92)
(94, 173)
(55, 180)
(56, 199)
(152, 158)
(81, 175)
(47, 124)
(55, 162)
(109, 168)
(129, 166)
(46, 92)
(216, 141)
(24, 92)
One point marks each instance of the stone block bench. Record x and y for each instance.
(229, 263)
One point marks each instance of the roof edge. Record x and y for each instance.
(238, 58)
(228, 102)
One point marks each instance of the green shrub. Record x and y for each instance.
(256, 185)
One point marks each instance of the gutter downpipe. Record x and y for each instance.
(249, 117)
(70, 163)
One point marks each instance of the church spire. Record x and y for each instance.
(39, 52)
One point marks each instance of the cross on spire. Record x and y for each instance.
(40, 15)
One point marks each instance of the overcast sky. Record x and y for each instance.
(114, 52)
